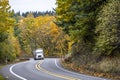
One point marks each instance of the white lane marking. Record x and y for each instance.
(11, 70)
(64, 69)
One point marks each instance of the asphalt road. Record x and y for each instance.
(47, 69)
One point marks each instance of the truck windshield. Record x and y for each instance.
(39, 52)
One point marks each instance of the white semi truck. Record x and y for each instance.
(38, 54)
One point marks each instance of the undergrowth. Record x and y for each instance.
(108, 67)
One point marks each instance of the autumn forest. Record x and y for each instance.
(85, 33)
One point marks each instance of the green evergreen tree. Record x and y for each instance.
(78, 19)
(108, 30)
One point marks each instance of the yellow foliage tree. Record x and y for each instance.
(42, 32)
(9, 46)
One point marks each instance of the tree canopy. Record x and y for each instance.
(42, 32)
(9, 45)
(108, 29)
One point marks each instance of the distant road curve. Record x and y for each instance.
(47, 69)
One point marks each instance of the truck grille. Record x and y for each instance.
(39, 56)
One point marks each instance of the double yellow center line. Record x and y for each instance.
(38, 67)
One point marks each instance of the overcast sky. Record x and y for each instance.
(32, 5)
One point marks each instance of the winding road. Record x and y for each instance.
(47, 69)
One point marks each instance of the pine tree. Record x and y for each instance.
(78, 19)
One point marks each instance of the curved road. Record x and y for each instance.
(47, 69)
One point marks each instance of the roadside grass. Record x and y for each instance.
(106, 68)
(2, 78)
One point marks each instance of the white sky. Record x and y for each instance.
(32, 5)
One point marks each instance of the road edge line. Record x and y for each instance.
(64, 69)
(11, 71)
